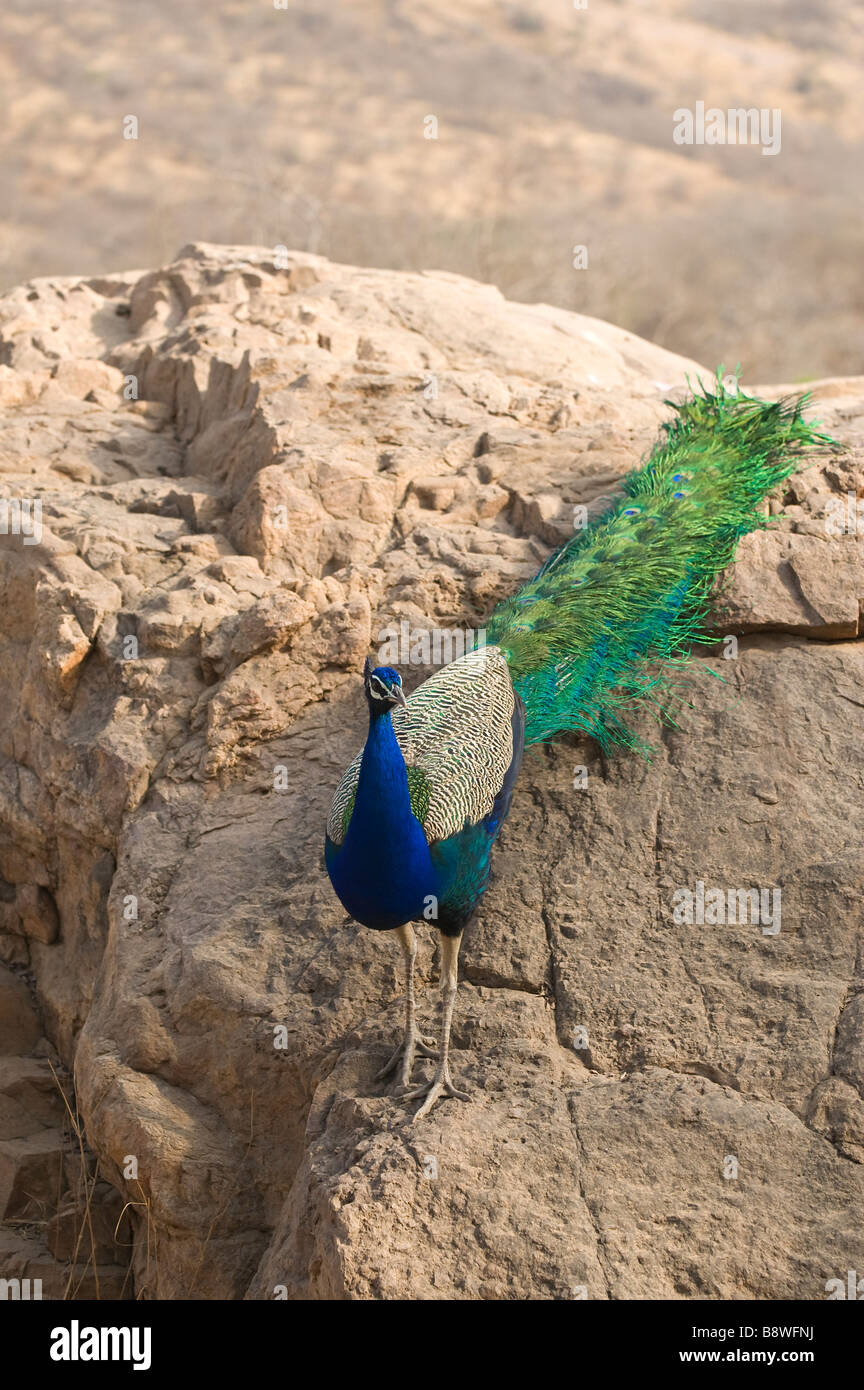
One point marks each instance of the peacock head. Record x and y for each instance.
(383, 688)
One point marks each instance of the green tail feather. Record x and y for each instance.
(612, 616)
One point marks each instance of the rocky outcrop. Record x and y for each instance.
(62, 1227)
(248, 474)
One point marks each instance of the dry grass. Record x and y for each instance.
(84, 1256)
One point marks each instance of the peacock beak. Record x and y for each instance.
(399, 695)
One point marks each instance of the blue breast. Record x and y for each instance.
(382, 872)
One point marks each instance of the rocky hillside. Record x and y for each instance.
(246, 472)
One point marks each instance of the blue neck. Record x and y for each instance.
(383, 871)
(382, 788)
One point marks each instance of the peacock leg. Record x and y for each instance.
(413, 1041)
(442, 1082)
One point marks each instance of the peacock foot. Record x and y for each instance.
(412, 1043)
(440, 1085)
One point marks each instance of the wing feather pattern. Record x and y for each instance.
(456, 736)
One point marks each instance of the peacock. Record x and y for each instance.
(599, 633)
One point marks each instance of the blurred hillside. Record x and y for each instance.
(305, 127)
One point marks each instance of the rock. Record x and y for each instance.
(32, 1272)
(38, 913)
(30, 1098)
(66, 1230)
(544, 516)
(179, 694)
(20, 388)
(72, 1235)
(80, 377)
(13, 951)
(31, 1172)
(19, 1027)
(199, 508)
(269, 623)
(785, 582)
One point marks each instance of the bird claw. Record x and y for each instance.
(440, 1085)
(411, 1044)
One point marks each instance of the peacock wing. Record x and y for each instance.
(456, 734)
